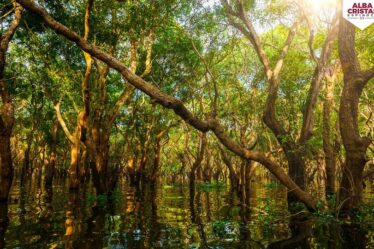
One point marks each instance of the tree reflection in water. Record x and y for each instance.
(165, 217)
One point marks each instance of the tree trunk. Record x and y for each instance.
(156, 161)
(234, 180)
(6, 110)
(207, 171)
(74, 163)
(84, 166)
(26, 162)
(6, 165)
(199, 158)
(50, 168)
(131, 171)
(296, 168)
(351, 186)
(328, 146)
(100, 176)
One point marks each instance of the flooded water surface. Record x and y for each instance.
(166, 217)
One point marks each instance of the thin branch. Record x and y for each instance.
(247, 29)
(315, 85)
(214, 80)
(285, 49)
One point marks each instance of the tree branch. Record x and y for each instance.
(319, 73)
(148, 60)
(248, 31)
(368, 74)
(62, 123)
(286, 46)
(172, 103)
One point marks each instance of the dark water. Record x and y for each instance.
(166, 217)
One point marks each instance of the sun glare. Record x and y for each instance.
(320, 9)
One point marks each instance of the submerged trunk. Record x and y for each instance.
(103, 178)
(100, 171)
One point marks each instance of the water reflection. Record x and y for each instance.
(165, 217)
(3, 223)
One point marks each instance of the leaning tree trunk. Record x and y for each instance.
(351, 186)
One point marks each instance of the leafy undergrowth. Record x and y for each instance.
(363, 215)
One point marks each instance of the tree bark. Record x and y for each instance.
(328, 146)
(351, 186)
(6, 166)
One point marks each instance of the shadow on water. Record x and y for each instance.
(166, 217)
